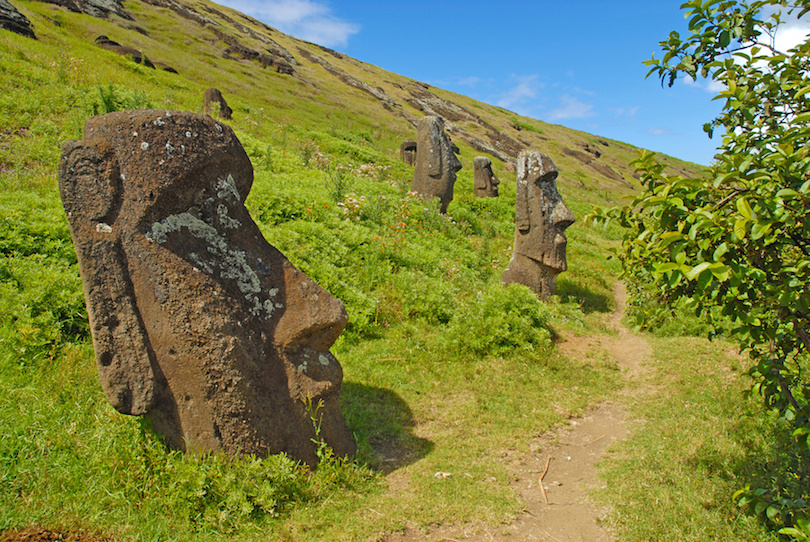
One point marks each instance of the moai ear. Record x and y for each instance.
(522, 196)
(89, 184)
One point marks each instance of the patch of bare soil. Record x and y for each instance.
(555, 478)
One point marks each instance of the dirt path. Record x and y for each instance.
(555, 480)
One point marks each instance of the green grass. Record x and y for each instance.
(696, 440)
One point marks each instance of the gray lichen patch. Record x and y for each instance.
(226, 189)
(220, 258)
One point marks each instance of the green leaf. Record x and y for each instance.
(760, 229)
(787, 193)
(720, 251)
(720, 271)
(744, 208)
(739, 228)
(697, 270)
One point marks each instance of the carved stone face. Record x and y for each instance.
(541, 215)
(436, 162)
(485, 183)
(541, 218)
(196, 319)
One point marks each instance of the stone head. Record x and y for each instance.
(541, 216)
(436, 161)
(485, 183)
(196, 319)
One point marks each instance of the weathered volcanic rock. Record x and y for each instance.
(96, 8)
(106, 43)
(196, 320)
(436, 162)
(541, 218)
(13, 20)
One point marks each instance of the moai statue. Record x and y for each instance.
(436, 162)
(541, 218)
(407, 152)
(213, 96)
(196, 320)
(485, 183)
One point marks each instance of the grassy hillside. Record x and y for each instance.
(444, 368)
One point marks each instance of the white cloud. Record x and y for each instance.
(625, 111)
(709, 85)
(791, 34)
(526, 89)
(571, 108)
(660, 132)
(469, 81)
(304, 19)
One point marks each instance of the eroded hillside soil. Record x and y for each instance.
(555, 477)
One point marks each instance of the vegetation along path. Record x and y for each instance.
(555, 477)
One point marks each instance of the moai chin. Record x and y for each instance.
(196, 320)
(541, 218)
(485, 183)
(436, 162)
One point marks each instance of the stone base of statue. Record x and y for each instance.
(538, 277)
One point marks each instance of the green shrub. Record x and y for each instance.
(499, 321)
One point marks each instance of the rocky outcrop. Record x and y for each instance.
(237, 50)
(589, 156)
(96, 8)
(377, 92)
(196, 320)
(106, 43)
(13, 20)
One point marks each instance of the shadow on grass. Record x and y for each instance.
(382, 425)
(589, 301)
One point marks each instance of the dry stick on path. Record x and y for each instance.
(542, 487)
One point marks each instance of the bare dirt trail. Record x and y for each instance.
(554, 480)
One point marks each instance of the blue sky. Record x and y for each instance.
(579, 64)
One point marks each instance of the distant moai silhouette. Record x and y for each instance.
(485, 183)
(436, 162)
(407, 152)
(213, 97)
(196, 320)
(541, 218)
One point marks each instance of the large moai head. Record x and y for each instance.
(485, 183)
(196, 320)
(541, 218)
(436, 162)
